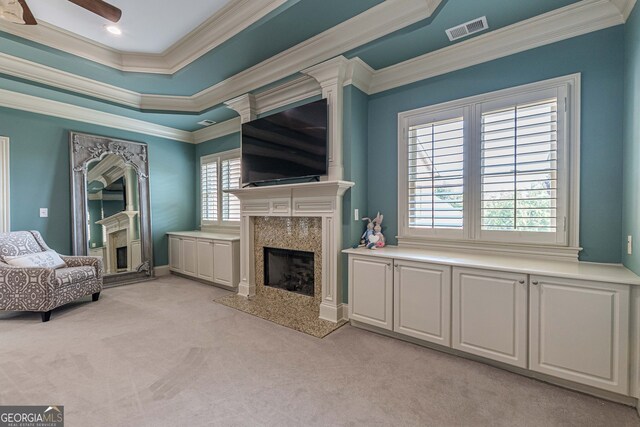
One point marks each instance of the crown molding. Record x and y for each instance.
(226, 23)
(217, 131)
(574, 20)
(625, 7)
(293, 91)
(34, 104)
(287, 93)
(380, 20)
(359, 74)
(38, 73)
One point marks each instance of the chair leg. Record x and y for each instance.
(46, 315)
(95, 296)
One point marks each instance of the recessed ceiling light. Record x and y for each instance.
(114, 30)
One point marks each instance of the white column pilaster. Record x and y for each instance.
(245, 105)
(331, 76)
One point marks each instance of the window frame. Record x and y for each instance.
(565, 241)
(217, 158)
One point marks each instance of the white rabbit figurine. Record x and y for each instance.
(377, 240)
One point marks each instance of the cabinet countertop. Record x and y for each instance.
(611, 273)
(205, 235)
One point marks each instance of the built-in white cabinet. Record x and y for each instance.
(579, 331)
(422, 301)
(175, 254)
(209, 257)
(205, 255)
(489, 314)
(563, 320)
(371, 291)
(189, 257)
(224, 270)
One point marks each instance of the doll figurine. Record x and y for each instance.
(377, 240)
(364, 240)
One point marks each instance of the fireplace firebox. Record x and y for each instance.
(290, 270)
(121, 258)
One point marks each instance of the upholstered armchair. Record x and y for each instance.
(42, 289)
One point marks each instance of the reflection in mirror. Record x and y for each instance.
(111, 211)
(113, 214)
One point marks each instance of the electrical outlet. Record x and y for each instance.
(356, 214)
(44, 212)
(629, 245)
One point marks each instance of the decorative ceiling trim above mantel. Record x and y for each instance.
(380, 20)
(223, 25)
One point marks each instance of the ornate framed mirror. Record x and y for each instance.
(110, 206)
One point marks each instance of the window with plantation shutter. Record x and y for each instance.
(209, 188)
(494, 169)
(230, 181)
(519, 167)
(435, 164)
(220, 172)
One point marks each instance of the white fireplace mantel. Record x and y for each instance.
(316, 199)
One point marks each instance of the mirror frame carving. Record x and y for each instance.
(86, 148)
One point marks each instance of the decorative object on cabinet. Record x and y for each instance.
(42, 289)
(110, 205)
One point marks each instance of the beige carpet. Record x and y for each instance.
(163, 353)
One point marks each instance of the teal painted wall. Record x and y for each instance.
(631, 168)
(39, 161)
(598, 56)
(355, 116)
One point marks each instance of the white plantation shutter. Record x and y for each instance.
(230, 181)
(209, 190)
(519, 170)
(494, 168)
(435, 166)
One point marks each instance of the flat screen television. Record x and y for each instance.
(286, 145)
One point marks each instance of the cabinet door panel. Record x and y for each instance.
(189, 257)
(205, 259)
(371, 291)
(422, 301)
(490, 314)
(175, 254)
(222, 263)
(579, 331)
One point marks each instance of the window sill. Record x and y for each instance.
(548, 252)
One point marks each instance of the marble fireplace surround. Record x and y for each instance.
(305, 203)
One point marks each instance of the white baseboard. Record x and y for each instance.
(161, 270)
(345, 311)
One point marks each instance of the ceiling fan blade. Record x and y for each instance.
(27, 16)
(101, 8)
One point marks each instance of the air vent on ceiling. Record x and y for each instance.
(467, 28)
(207, 123)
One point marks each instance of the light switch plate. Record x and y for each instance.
(629, 245)
(44, 212)
(356, 214)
